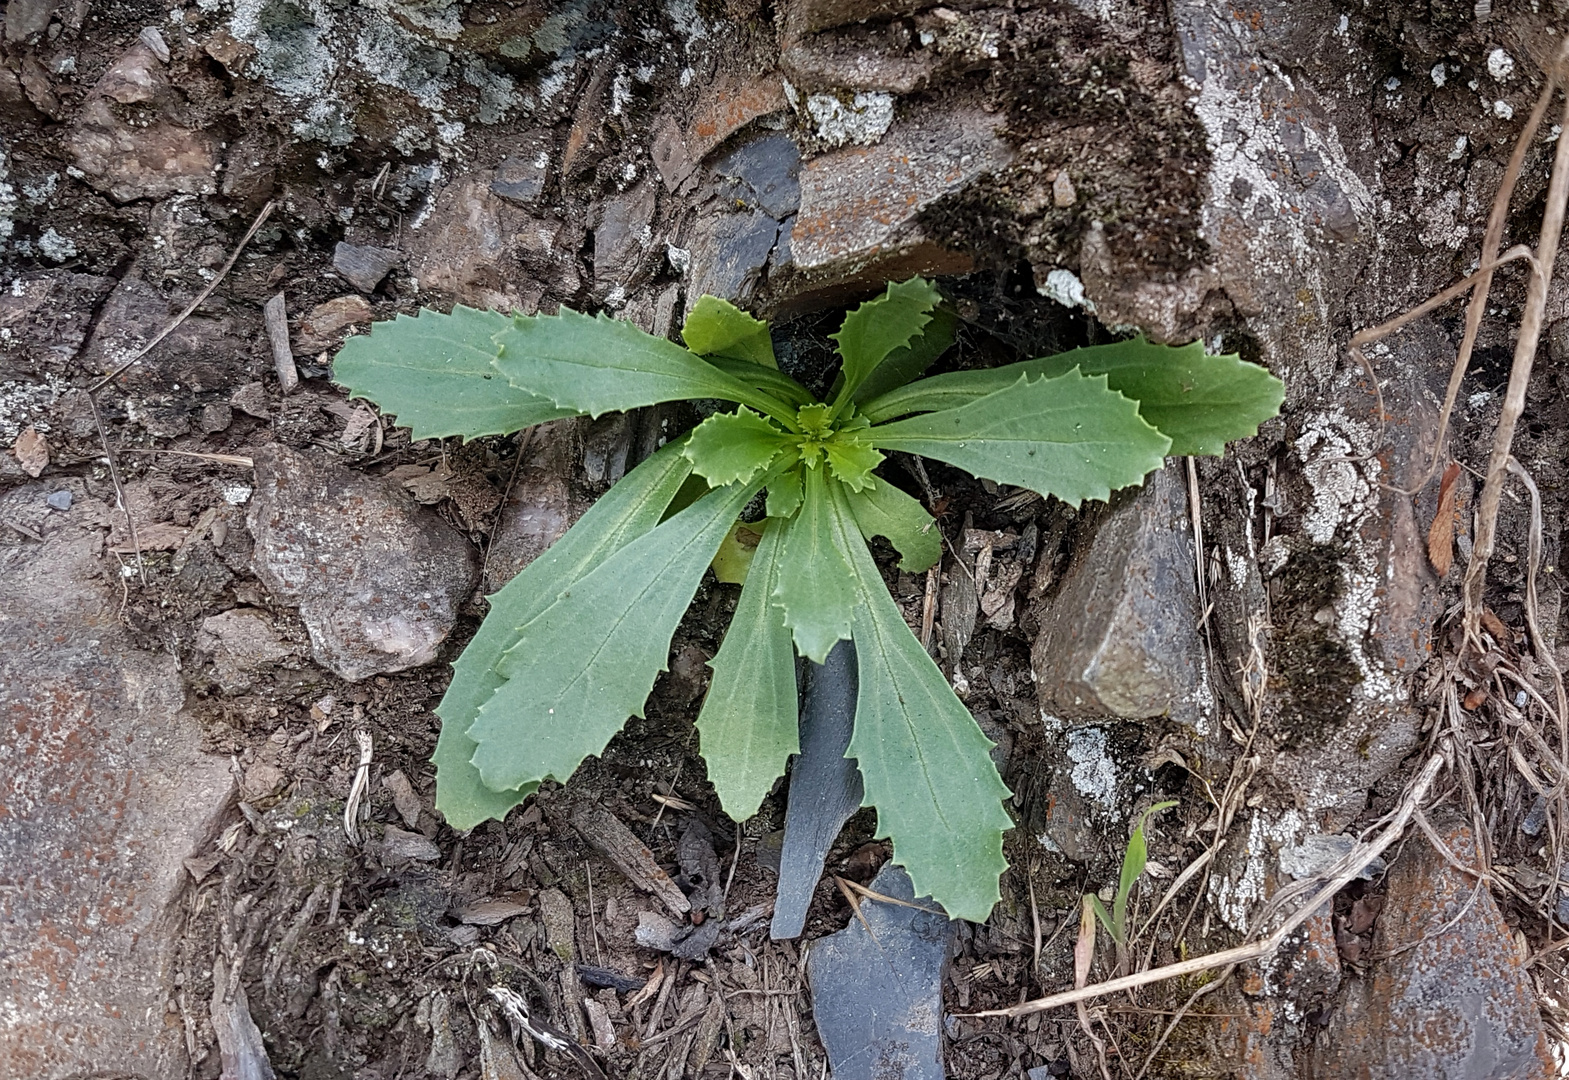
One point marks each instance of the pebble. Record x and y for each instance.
(59, 500)
(364, 266)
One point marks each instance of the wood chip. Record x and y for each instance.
(1441, 534)
(599, 1021)
(617, 843)
(408, 804)
(497, 911)
(275, 314)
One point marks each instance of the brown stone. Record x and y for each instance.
(134, 162)
(473, 243)
(106, 792)
(1451, 998)
(808, 16)
(860, 203)
(1118, 638)
(323, 326)
(378, 579)
(541, 506)
(728, 104)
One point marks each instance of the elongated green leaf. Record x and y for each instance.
(626, 511)
(750, 719)
(434, 373)
(814, 585)
(880, 326)
(1199, 401)
(1070, 436)
(599, 365)
(772, 382)
(587, 663)
(1133, 862)
(883, 510)
(731, 447)
(923, 759)
(784, 494)
(718, 328)
(911, 362)
(1105, 919)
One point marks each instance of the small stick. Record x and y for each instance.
(256, 225)
(1519, 376)
(1350, 866)
(351, 807)
(276, 316)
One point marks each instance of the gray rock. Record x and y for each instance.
(540, 506)
(877, 1001)
(106, 792)
(130, 161)
(1120, 637)
(363, 266)
(377, 578)
(765, 172)
(59, 500)
(24, 18)
(825, 786)
(44, 318)
(1451, 1000)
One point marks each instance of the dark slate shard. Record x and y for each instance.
(765, 173)
(600, 978)
(825, 786)
(877, 1001)
(729, 252)
(363, 266)
(521, 180)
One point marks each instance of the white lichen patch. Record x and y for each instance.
(1500, 65)
(1341, 493)
(1065, 287)
(862, 119)
(1236, 893)
(1094, 773)
(8, 200)
(1441, 222)
(24, 403)
(55, 247)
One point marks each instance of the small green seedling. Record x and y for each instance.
(573, 644)
(1133, 863)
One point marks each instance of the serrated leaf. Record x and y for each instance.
(434, 373)
(768, 380)
(852, 460)
(627, 511)
(717, 327)
(911, 362)
(815, 584)
(1199, 401)
(587, 663)
(784, 494)
(598, 365)
(750, 723)
(923, 760)
(734, 447)
(880, 326)
(1071, 436)
(733, 561)
(883, 510)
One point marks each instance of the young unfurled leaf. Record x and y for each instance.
(814, 584)
(717, 327)
(587, 662)
(1199, 401)
(852, 459)
(923, 760)
(749, 723)
(625, 512)
(784, 494)
(434, 373)
(880, 326)
(599, 365)
(734, 447)
(733, 561)
(1070, 436)
(883, 510)
(1133, 862)
(903, 365)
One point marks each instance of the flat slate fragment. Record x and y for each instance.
(878, 1003)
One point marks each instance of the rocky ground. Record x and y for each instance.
(228, 595)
